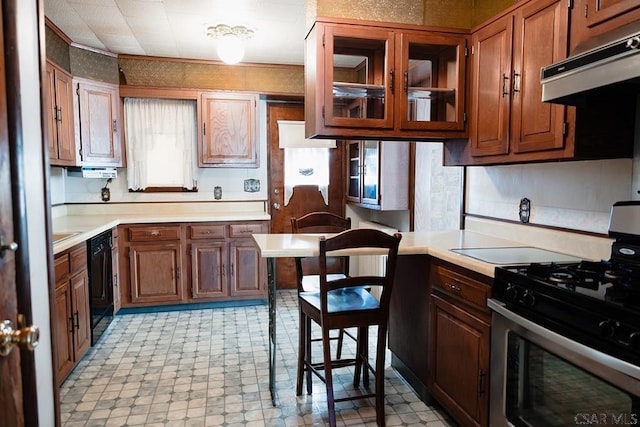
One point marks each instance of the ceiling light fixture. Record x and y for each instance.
(230, 41)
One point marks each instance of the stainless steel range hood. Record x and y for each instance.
(607, 63)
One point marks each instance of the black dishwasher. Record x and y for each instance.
(100, 284)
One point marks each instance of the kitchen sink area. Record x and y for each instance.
(58, 237)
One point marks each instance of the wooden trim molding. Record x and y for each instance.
(53, 27)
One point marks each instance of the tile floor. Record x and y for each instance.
(209, 367)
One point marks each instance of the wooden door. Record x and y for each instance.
(99, 128)
(156, 273)
(459, 344)
(228, 130)
(305, 199)
(209, 269)
(63, 330)
(537, 125)
(246, 269)
(65, 141)
(115, 271)
(79, 285)
(490, 95)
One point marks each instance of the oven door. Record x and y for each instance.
(540, 378)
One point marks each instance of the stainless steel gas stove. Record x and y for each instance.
(566, 336)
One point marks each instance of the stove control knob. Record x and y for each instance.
(634, 340)
(608, 328)
(512, 293)
(529, 298)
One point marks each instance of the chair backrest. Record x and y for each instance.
(380, 243)
(320, 222)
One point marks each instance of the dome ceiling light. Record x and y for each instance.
(230, 41)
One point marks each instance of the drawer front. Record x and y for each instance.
(246, 230)
(62, 266)
(207, 231)
(154, 234)
(461, 287)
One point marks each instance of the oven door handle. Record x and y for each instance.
(563, 342)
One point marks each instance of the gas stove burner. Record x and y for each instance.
(562, 277)
(617, 275)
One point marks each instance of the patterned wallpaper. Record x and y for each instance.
(402, 11)
(57, 50)
(92, 65)
(202, 75)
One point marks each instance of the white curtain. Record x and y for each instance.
(306, 166)
(161, 139)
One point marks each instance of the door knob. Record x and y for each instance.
(12, 246)
(25, 338)
(276, 206)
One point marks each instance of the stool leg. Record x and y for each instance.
(307, 352)
(380, 353)
(365, 356)
(301, 352)
(326, 351)
(340, 341)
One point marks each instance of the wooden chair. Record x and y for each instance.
(308, 269)
(346, 303)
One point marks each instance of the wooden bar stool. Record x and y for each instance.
(347, 303)
(308, 269)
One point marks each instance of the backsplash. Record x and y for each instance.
(574, 195)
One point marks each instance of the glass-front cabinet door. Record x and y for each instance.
(370, 172)
(359, 63)
(433, 75)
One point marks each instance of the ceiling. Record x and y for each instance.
(176, 28)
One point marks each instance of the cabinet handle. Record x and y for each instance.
(516, 82)
(224, 270)
(114, 126)
(231, 269)
(406, 82)
(71, 322)
(481, 389)
(77, 321)
(55, 114)
(504, 85)
(391, 78)
(154, 233)
(58, 114)
(178, 273)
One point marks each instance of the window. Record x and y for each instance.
(161, 143)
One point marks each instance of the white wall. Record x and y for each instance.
(35, 203)
(72, 189)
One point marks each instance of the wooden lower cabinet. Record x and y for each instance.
(190, 262)
(156, 272)
(115, 270)
(72, 316)
(246, 266)
(460, 362)
(459, 342)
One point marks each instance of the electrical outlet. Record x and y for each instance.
(524, 210)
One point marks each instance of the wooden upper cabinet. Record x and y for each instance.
(537, 125)
(599, 11)
(491, 103)
(591, 18)
(99, 127)
(228, 131)
(384, 81)
(508, 112)
(59, 114)
(509, 121)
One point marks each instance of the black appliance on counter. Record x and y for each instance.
(566, 337)
(100, 284)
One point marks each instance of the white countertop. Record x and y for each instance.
(437, 244)
(88, 226)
